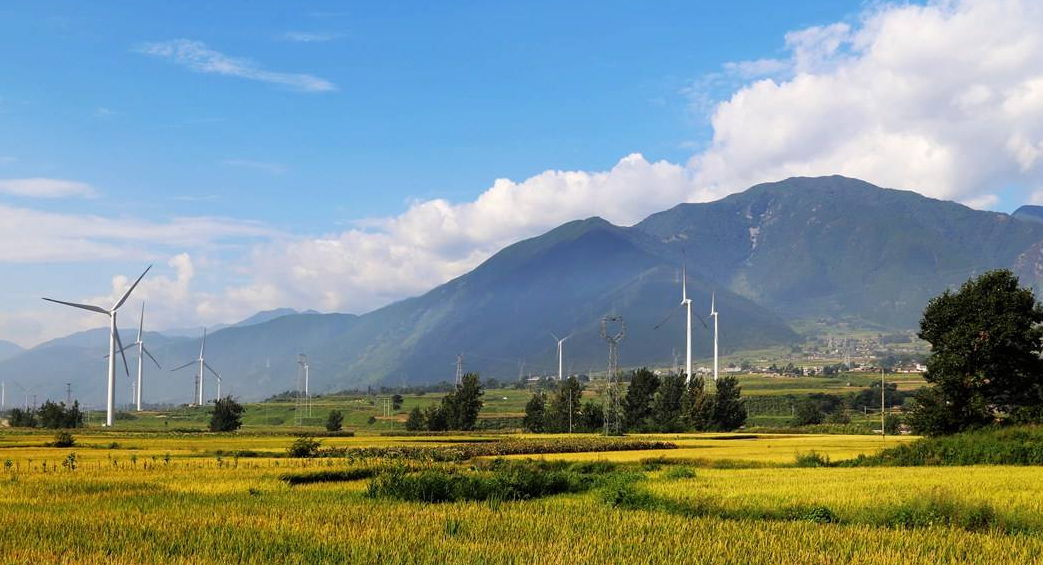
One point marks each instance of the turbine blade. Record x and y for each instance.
(189, 364)
(684, 276)
(554, 336)
(147, 352)
(141, 321)
(202, 346)
(130, 290)
(119, 342)
(701, 321)
(713, 302)
(122, 349)
(211, 369)
(98, 309)
(666, 319)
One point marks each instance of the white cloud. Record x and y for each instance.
(196, 56)
(45, 188)
(102, 112)
(945, 99)
(34, 236)
(311, 36)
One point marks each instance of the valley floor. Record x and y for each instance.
(746, 503)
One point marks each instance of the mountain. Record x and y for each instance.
(828, 247)
(8, 349)
(1029, 213)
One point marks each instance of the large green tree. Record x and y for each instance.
(227, 415)
(697, 406)
(729, 409)
(461, 406)
(535, 413)
(637, 404)
(986, 340)
(667, 405)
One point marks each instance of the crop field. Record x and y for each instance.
(710, 498)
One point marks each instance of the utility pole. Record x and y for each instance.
(613, 425)
(883, 428)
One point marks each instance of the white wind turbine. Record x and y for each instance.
(202, 367)
(561, 351)
(142, 351)
(114, 341)
(687, 303)
(713, 313)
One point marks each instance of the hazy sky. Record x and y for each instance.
(341, 155)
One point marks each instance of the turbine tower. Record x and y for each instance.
(687, 303)
(114, 341)
(203, 366)
(713, 313)
(561, 351)
(142, 351)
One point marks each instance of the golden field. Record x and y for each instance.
(204, 508)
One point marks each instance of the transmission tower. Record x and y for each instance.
(613, 330)
(459, 368)
(302, 402)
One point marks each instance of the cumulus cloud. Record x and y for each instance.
(196, 56)
(45, 188)
(945, 99)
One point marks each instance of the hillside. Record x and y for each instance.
(830, 247)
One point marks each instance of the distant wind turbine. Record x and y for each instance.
(114, 341)
(202, 367)
(687, 303)
(142, 351)
(561, 351)
(713, 313)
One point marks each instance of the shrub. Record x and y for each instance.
(680, 472)
(304, 447)
(346, 475)
(63, 439)
(335, 421)
(811, 459)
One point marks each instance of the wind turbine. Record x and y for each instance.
(142, 351)
(561, 351)
(687, 303)
(713, 313)
(114, 340)
(202, 367)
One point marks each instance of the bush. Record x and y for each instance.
(807, 414)
(940, 508)
(812, 459)
(680, 472)
(63, 439)
(505, 481)
(335, 421)
(989, 446)
(347, 475)
(304, 447)
(415, 421)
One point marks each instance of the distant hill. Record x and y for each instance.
(828, 247)
(8, 349)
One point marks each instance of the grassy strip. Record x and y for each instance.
(495, 481)
(992, 446)
(344, 475)
(463, 452)
(935, 509)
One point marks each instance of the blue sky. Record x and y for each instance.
(257, 151)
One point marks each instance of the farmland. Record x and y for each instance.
(154, 497)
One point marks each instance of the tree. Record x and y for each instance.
(335, 421)
(564, 406)
(20, 418)
(807, 413)
(697, 406)
(667, 404)
(435, 418)
(637, 404)
(55, 415)
(461, 406)
(415, 422)
(986, 340)
(227, 415)
(535, 413)
(396, 401)
(592, 416)
(729, 410)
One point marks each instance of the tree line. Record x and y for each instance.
(651, 404)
